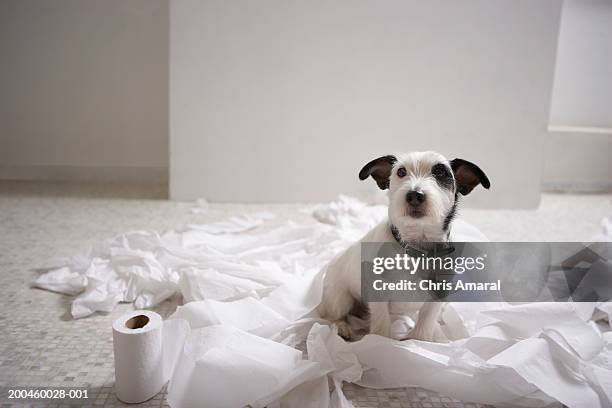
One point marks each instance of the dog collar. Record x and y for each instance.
(436, 249)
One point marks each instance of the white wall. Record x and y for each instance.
(578, 162)
(582, 93)
(285, 100)
(84, 89)
(578, 155)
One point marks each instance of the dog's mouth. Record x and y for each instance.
(414, 212)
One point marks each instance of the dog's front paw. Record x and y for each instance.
(344, 329)
(422, 333)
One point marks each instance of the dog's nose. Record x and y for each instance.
(415, 198)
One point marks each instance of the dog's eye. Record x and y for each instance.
(401, 172)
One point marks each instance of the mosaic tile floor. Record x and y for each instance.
(41, 346)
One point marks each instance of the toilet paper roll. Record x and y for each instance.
(139, 360)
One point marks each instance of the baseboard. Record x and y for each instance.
(568, 187)
(580, 129)
(101, 174)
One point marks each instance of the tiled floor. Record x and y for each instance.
(41, 346)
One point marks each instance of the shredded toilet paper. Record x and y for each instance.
(606, 231)
(249, 298)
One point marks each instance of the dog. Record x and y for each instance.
(423, 190)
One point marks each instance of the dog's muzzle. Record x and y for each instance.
(415, 198)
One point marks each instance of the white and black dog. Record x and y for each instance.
(424, 188)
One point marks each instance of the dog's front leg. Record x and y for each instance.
(380, 321)
(427, 322)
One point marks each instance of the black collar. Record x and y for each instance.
(429, 249)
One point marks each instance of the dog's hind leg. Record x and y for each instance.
(335, 307)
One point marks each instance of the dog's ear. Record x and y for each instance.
(380, 170)
(468, 175)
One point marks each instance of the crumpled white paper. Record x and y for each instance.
(606, 231)
(250, 298)
(215, 359)
(216, 261)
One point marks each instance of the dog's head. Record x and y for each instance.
(423, 191)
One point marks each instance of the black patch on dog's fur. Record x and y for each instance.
(451, 214)
(360, 310)
(443, 175)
